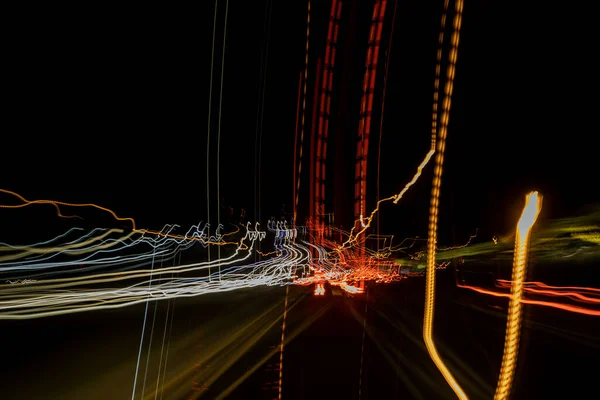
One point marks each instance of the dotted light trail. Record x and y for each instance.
(434, 209)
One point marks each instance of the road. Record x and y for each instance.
(226, 345)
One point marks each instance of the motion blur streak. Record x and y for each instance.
(281, 346)
(365, 222)
(533, 204)
(57, 205)
(574, 293)
(302, 119)
(559, 306)
(434, 209)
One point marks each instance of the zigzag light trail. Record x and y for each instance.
(97, 257)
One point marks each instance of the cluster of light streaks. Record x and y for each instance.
(366, 109)
(124, 268)
(365, 222)
(574, 293)
(102, 270)
(84, 270)
(99, 269)
(91, 290)
(325, 107)
(107, 268)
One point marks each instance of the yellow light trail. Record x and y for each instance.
(434, 208)
(533, 204)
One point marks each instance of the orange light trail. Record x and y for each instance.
(557, 291)
(57, 205)
(533, 204)
(564, 307)
(434, 209)
(507, 283)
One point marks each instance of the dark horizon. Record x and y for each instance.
(118, 113)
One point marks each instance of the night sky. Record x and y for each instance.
(110, 105)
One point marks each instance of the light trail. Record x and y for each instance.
(365, 222)
(219, 130)
(434, 209)
(57, 204)
(64, 295)
(104, 269)
(575, 293)
(282, 344)
(533, 204)
(302, 119)
(128, 285)
(559, 306)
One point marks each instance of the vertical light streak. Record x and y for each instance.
(313, 133)
(172, 301)
(303, 113)
(162, 348)
(385, 78)
(260, 117)
(366, 110)
(436, 83)
(362, 348)
(359, 219)
(137, 367)
(296, 151)
(324, 110)
(219, 135)
(434, 209)
(533, 204)
(287, 289)
(212, 67)
(149, 348)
